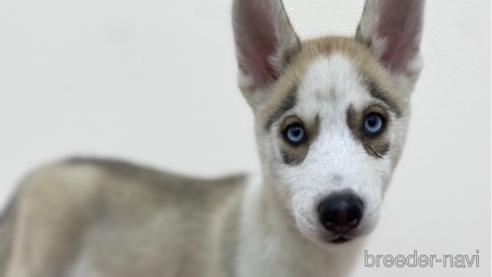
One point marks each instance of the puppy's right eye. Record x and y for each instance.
(295, 134)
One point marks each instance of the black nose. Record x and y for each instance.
(341, 212)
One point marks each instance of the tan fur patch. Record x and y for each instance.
(370, 70)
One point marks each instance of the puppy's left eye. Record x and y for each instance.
(373, 125)
(295, 134)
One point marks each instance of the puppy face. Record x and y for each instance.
(331, 113)
(315, 136)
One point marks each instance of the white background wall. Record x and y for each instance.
(154, 82)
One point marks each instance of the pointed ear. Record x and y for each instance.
(264, 41)
(392, 29)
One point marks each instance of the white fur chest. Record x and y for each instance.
(269, 247)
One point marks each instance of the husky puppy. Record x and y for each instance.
(331, 116)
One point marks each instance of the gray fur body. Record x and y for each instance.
(111, 219)
(105, 218)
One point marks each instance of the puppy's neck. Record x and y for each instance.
(271, 244)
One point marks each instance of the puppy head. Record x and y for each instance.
(331, 113)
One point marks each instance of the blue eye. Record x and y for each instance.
(295, 134)
(373, 125)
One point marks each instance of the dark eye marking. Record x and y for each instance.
(376, 92)
(380, 152)
(296, 138)
(286, 105)
(370, 129)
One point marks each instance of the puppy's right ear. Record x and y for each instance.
(265, 40)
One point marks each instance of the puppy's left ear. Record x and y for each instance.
(392, 29)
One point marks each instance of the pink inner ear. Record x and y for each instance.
(399, 27)
(257, 40)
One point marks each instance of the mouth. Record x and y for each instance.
(340, 240)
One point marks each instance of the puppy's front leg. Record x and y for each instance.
(49, 224)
